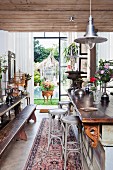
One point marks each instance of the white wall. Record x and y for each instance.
(22, 45)
(105, 50)
(11, 42)
(3, 42)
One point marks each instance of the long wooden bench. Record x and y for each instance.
(15, 128)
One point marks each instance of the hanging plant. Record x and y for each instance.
(70, 51)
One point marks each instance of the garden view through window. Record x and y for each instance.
(48, 65)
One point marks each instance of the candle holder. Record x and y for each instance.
(105, 96)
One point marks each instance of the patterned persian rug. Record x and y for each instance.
(41, 159)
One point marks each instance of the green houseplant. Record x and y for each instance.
(37, 78)
(70, 56)
(47, 89)
(47, 86)
(71, 50)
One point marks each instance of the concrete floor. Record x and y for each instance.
(18, 152)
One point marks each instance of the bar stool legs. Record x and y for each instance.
(68, 122)
(56, 132)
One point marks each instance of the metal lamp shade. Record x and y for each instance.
(90, 36)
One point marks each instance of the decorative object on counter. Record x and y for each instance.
(9, 98)
(96, 96)
(89, 109)
(27, 78)
(104, 75)
(19, 78)
(90, 85)
(16, 92)
(87, 89)
(93, 81)
(71, 54)
(76, 78)
(105, 96)
(79, 91)
(20, 83)
(93, 88)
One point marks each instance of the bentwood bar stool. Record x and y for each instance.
(68, 122)
(68, 104)
(55, 116)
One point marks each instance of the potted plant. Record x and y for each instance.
(71, 50)
(71, 54)
(104, 74)
(47, 88)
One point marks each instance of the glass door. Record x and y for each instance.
(64, 81)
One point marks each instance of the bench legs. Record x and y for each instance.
(33, 117)
(22, 135)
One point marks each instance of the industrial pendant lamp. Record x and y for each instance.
(90, 37)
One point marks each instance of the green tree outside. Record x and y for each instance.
(41, 53)
(37, 77)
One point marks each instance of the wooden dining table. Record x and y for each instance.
(97, 119)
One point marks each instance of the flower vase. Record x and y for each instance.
(104, 97)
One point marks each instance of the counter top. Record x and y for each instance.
(92, 120)
(103, 114)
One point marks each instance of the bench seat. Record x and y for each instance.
(15, 128)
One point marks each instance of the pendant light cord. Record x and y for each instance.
(90, 7)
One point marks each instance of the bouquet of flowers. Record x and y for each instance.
(47, 86)
(104, 72)
(94, 83)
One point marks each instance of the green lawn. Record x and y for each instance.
(50, 102)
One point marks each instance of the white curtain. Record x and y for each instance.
(25, 57)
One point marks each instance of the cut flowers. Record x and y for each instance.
(93, 84)
(104, 72)
(47, 86)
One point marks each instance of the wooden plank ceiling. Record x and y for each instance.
(54, 15)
